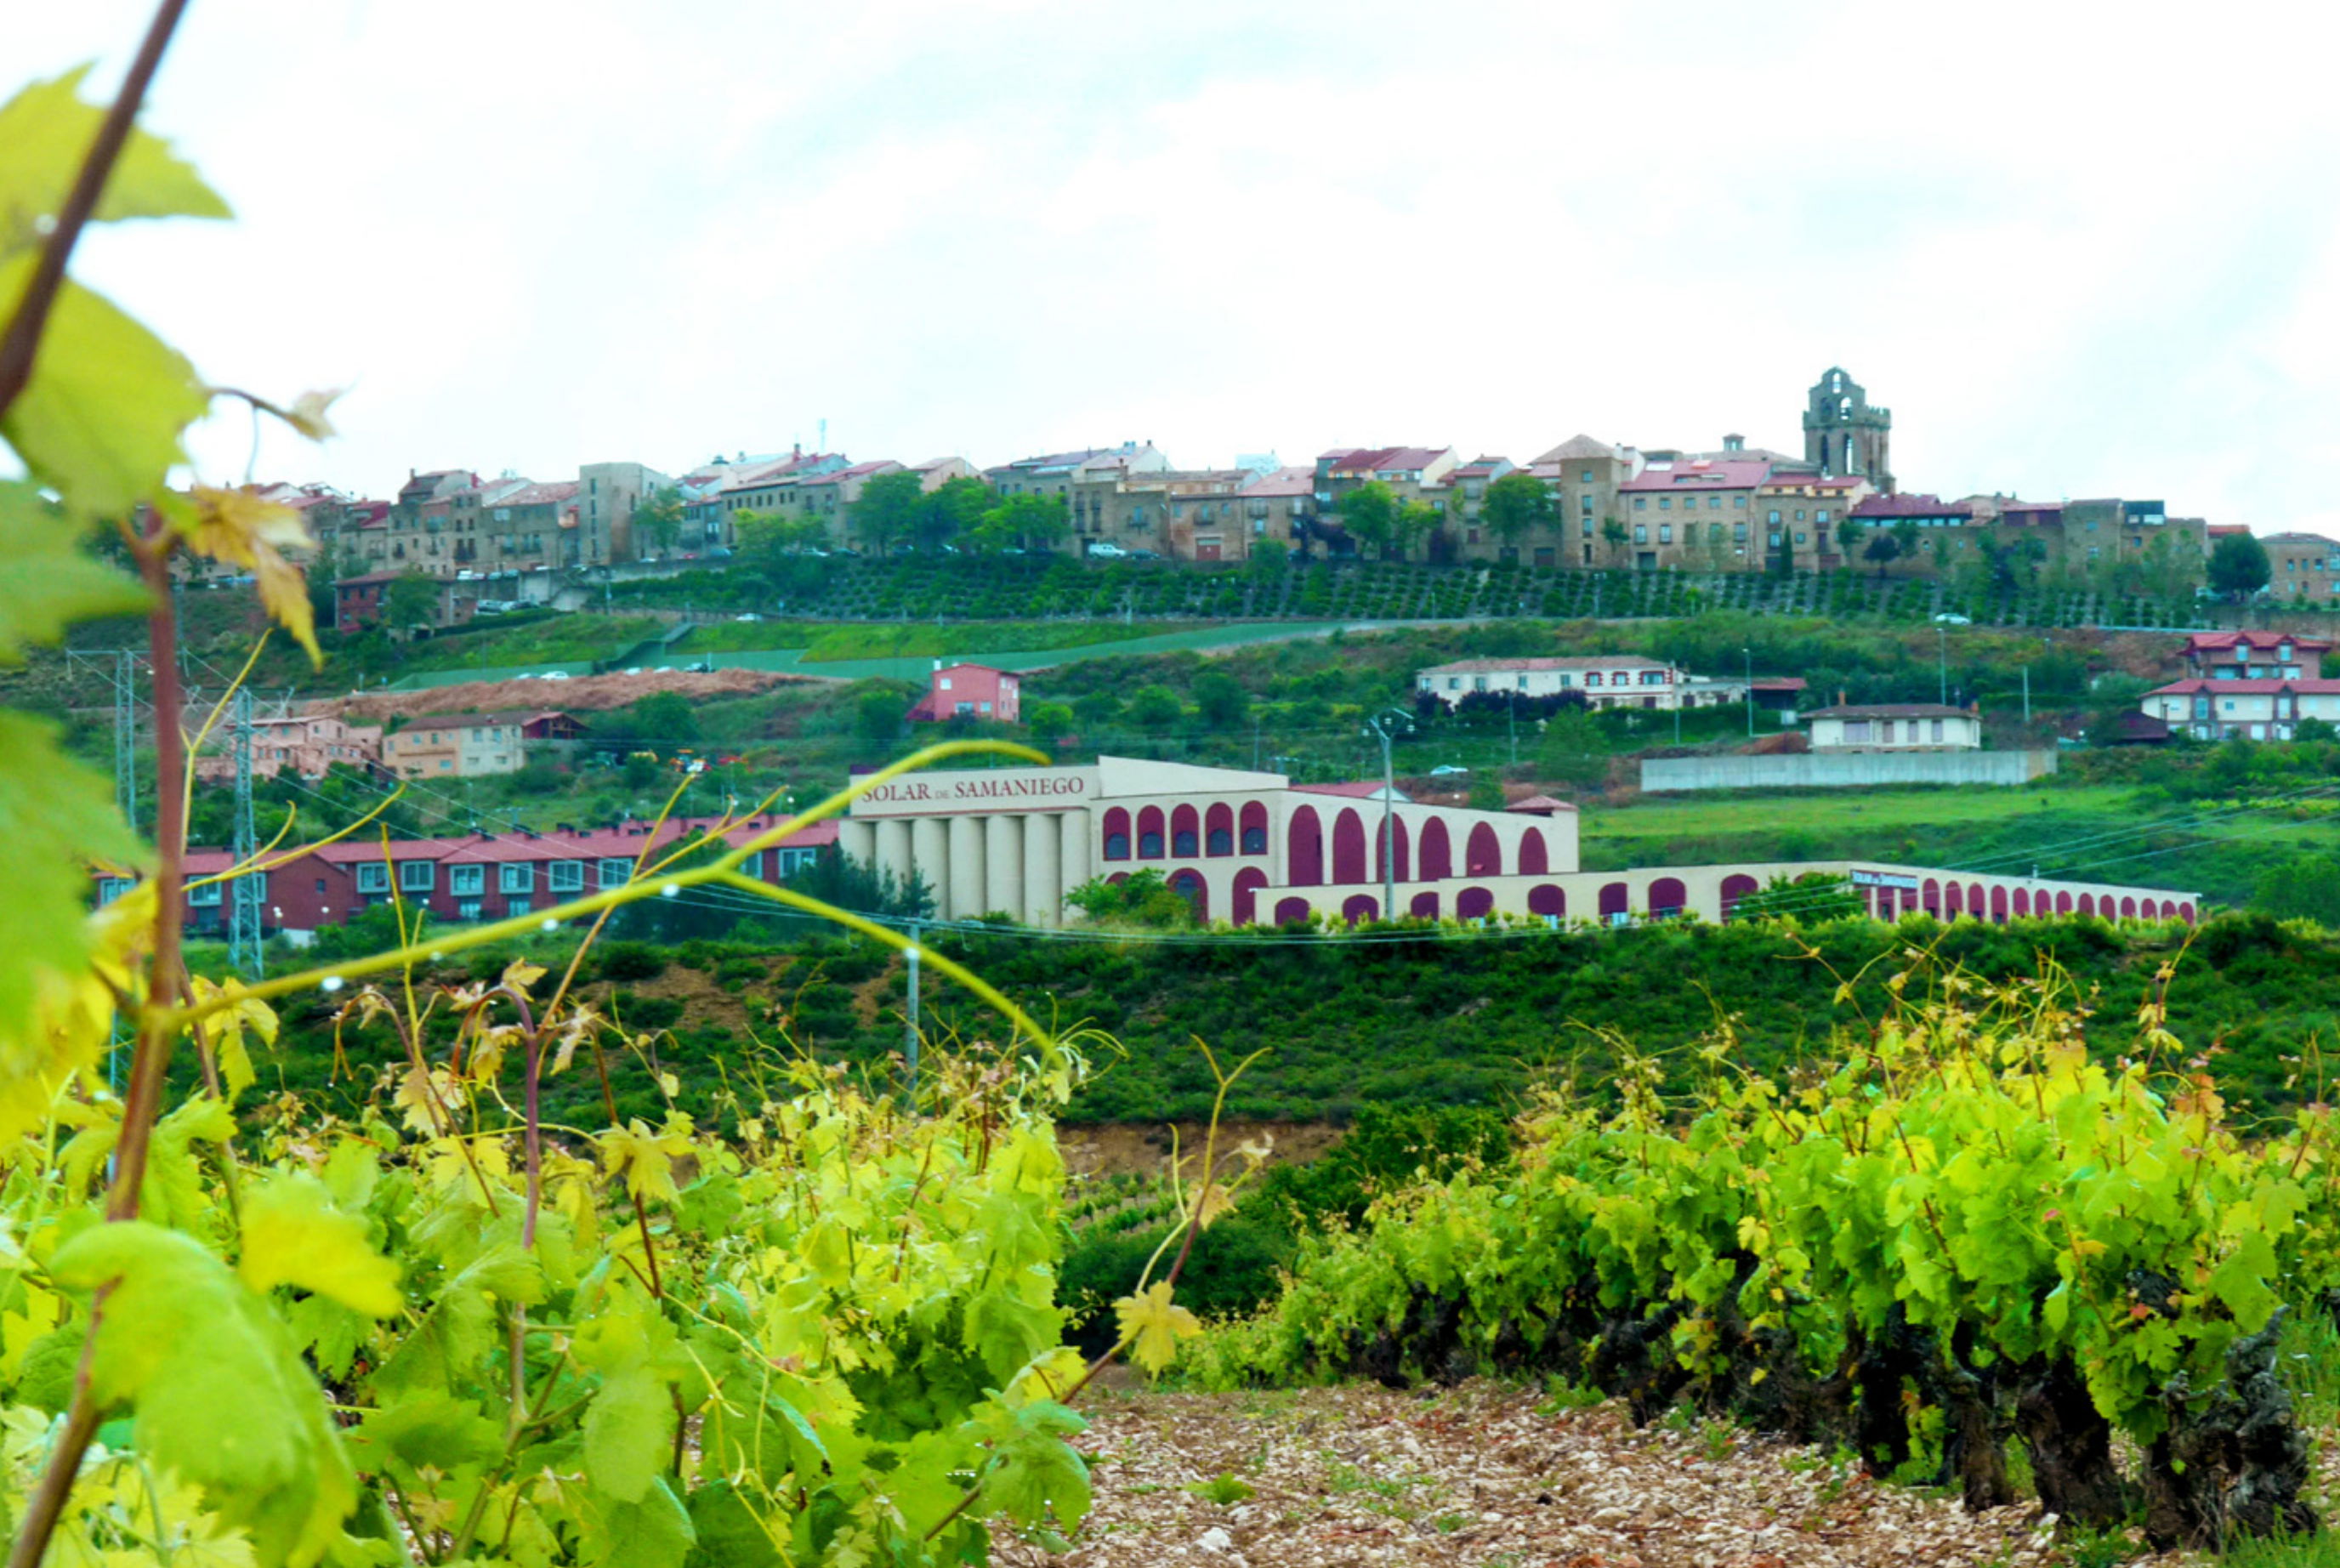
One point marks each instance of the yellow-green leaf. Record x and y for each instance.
(55, 817)
(51, 582)
(1152, 1325)
(240, 527)
(100, 419)
(45, 132)
(292, 1234)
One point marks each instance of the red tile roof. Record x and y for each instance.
(1700, 473)
(1896, 506)
(2194, 685)
(2204, 641)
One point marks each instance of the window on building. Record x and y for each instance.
(1117, 846)
(519, 906)
(1774, 520)
(416, 876)
(1775, 538)
(1856, 730)
(1149, 845)
(569, 877)
(1665, 503)
(1938, 729)
(615, 872)
(1592, 678)
(1219, 841)
(515, 877)
(1640, 533)
(1665, 533)
(206, 895)
(1799, 541)
(1820, 516)
(373, 876)
(1478, 683)
(467, 908)
(1182, 844)
(1639, 502)
(467, 880)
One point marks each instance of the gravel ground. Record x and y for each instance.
(1492, 1477)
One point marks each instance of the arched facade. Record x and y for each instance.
(1189, 885)
(1149, 833)
(1186, 832)
(1425, 906)
(1117, 834)
(1218, 830)
(1401, 839)
(1615, 900)
(1303, 852)
(1534, 859)
(1437, 853)
(1360, 907)
(1288, 910)
(1473, 904)
(1348, 849)
(1998, 905)
(1735, 888)
(1486, 856)
(1248, 882)
(1668, 898)
(1547, 898)
(1252, 825)
(2023, 903)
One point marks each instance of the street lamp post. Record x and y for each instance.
(1380, 728)
(1750, 691)
(1942, 661)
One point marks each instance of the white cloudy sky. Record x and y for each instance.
(2079, 249)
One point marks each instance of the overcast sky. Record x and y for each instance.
(2079, 250)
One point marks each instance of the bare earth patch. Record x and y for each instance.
(1492, 1477)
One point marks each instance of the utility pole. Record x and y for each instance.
(1511, 723)
(2027, 693)
(246, 893)
(1378, 727)
(1254, 743)
(910, 1029)
(1942, 657)
(1750, 691)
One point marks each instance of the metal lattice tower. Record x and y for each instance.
(118, 667)
(245, 893)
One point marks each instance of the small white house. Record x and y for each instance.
(1624, 680)
(1896, 727)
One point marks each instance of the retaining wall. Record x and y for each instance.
(1844, 769)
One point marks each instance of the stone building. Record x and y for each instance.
(1844, 435)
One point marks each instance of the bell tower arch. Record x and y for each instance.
(1844, 434)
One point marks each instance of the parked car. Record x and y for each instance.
(1947, 618)
(554, 675)
(1446, 771)
(750, 615)
(1105, 550)
(1145, 555)
(721, 553)
(843, 549)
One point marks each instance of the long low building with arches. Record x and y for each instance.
(1255, 849)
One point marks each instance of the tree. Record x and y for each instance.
(1415, 519)
(660, 515)
(1884, 549)
(2306, 888)
(1486, 792)
(410, 601)
(1155, 708)
(1615, 534)
(662, 719)
(1908, 538)
(956, 508)
(1051, 722)
(1808, 899)
(1517, 505)
(1143, 900)
(1022, 522)
(888, 510)
(1223, 701)
(1369, 514)
(2239, 567)
(878, 714)
(1848, 537)
(641, 770)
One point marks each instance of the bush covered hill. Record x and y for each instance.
(1456, 1020)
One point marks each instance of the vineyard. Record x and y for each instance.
(1966, 1233)
(494, 1285)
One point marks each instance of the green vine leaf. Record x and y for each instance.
(45, 132)
(292, 1234)
(51, 581)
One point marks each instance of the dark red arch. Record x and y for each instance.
(1425, 906)
(1547, 898)
(1437, 853)
(1614, 900)
(1219, 830)
(1473, 904)
(1117, 834)
(1252, 829)
(1287, 910)
(1304, 852)
(1735, 887)
(1150, 844)
(1535, 860)
(1402, 840)
(1668, 898)
(1186, 832)
(1360, 907)
(1348, 849)
(1484, 858)
(1248, 882)
(1190, 885)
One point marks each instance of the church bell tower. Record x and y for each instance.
(1844, 434)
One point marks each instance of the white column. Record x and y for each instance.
(930, 855)
(1003, 865)
(1073, 866)
(1044, 898)
(894, 848)
(966, 888)
(858, 840)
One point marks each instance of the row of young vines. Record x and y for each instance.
(237, 1330)
(1965, 1231)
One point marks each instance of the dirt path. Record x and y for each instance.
(1491, 1477)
